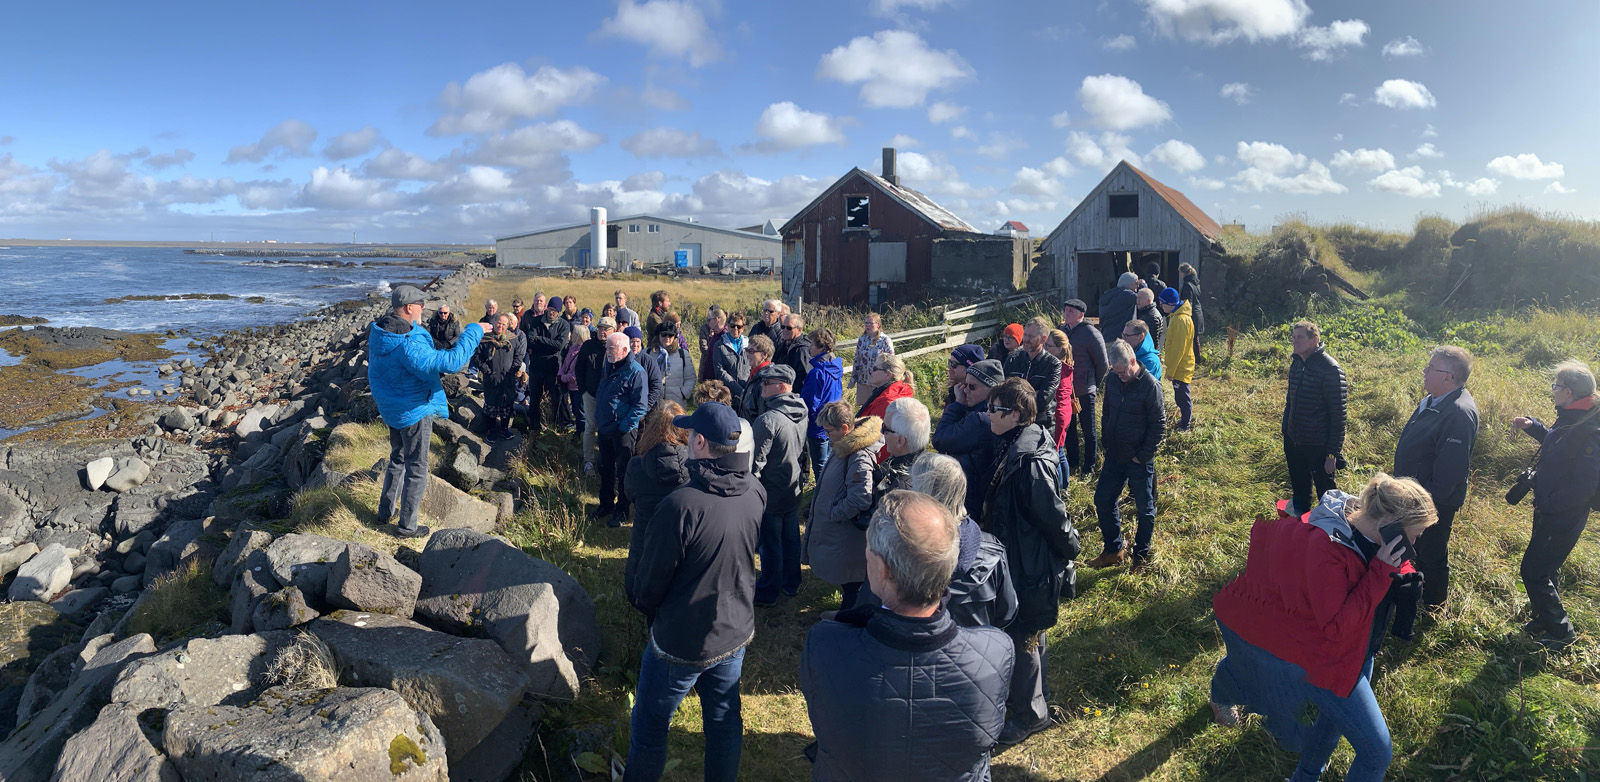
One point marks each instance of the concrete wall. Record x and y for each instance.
(561, 247)
(978, 264)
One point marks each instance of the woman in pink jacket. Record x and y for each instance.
(567, 375)
(1066, 403)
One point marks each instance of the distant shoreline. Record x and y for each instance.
(278, 247)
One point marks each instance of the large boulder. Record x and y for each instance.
(183, 540)
(341, 735)
(29, 754)
(43, 576)
(179, 419)
(448, 507)
(281, 610)
(479, 584)
(365, 579)
(231, 669)
(130, 474)
(467, 685)
(253, 420)
(500, 754)
(254, 582)
(98, 471)
(13, 559)
(304, 561)
(113, 749)
(48, 680)
(244, 542)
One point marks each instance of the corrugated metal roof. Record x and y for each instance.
(649, 218)
(1014, 225)
(1201, 221)
(911, 199)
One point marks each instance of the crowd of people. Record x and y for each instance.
(945, 532)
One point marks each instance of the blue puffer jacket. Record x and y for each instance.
(1146, 353)
(824, 384)
(623, 399)
(892, 697)
(403, 369)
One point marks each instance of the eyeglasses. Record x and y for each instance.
(886, 430)
(999, 409)
(1426, 370)
(736, 326)
(1554, 386)
(771, 312)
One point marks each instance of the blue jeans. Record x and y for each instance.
(1063, 468)
(1141, 482)
(820, 450)
(1253, 677)
(780, 555)
(575, 398)
(662, 686)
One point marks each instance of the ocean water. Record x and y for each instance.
(70, 286)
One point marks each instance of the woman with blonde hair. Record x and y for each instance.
(869, 346)
(1304, 619)
(836, 534)
(1057, 344)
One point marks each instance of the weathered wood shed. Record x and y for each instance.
(1125, 223)
(869, 240)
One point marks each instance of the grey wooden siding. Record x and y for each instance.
(1158, 227)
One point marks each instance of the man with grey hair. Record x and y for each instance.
(491, 308)
(905, 431)
(403, 370)
(1435, 449)
(1133, 426)
(854, 665)
(767, 325)
(795, 349)
(1151, 316)
(1118, 306)
(779, 462)
(980, 590)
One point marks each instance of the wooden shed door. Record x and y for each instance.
(1096, 274)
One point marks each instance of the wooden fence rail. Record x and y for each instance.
(951, 334)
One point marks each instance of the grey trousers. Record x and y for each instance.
(591, 446)
(407, 476)
(1026, 704)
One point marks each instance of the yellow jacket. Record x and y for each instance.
(1178, 354)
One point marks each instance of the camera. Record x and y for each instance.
(1520, 487)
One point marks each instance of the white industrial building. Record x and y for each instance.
(639, 241)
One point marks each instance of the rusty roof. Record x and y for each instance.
(1201, 221)
(924, 206)
(1015, 225)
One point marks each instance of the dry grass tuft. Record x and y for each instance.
(181, 604)
(307, 664)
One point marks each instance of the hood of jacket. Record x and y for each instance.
(789, 405)
(727, 476)
(736, 344)
(391, 334)
(1329, 516)
(826, 363)
(864, 435)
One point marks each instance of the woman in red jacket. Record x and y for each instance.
(1300, 623)
(888, 380)
(1056, 342)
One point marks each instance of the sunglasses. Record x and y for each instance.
(999, 409)
(887, 430)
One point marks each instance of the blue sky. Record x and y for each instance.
(411, 122)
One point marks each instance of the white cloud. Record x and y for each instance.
(787, 126)
(354, 143)
(476, 185)
(534, 146)
(1119, 103)
(1060, 119)
(1001, 144)
(1338, 137)
(1477, 187)
(1038, 183)
(648, 180)
(1426, 150)
(895, 68)
(1268, 167)
(1120, 43)
(1326, 43)
(663, 98)
(491, 100)
(1404, 94)
(1556, 188)
(1178, 156)
(1526, 166)
(1363, 160)
(671, 28)
(942, 112)
(1238, 92)
(1101, 154)
(1221, 21)
(902, 141)
(1349, 99)
(935, 174)
(892, 7)
(398, 164)
(1403, 47)
(339, 188)
(177, 158)
(1206, 183)
(670, 142)
(289, 138)
(962, 131)
(1408, 182)
(1430, 131)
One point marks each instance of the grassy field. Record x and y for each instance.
(1131, 659)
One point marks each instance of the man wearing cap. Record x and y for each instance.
(547, 334)
(956, 368)
(653, 372)
(964, 433)
(779, 462)
(403, 370)
(619, 407)
(1089, 370)
(1178, 355)
(1118, 306)
(696, 574)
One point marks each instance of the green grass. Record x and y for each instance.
(181, 604)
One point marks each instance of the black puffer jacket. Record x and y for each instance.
(897, 698)
(1044, 374)
(963, 433)
(696, 569)
(1569, 463)
(1156, 322)
(444, 332)
(547, 338)
(591, 366)
(1314, 409)
(1023, 509)
(797, 354)
(1089, 365)
(1134, 419)
(1189, 290)
(1117, 307)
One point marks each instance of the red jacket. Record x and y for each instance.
(1307, 599)
(895, 390)
(1063, 407)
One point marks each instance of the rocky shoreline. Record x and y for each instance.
(339, 658)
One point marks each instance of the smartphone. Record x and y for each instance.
(1392, 531)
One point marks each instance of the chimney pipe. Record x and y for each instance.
(889, 172)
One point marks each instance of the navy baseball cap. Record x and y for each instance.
(967, 354)
(714, 421)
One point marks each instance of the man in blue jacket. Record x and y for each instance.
(403, 369)
(824, 383)
(619, 407)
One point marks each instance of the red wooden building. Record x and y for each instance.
(869, 240)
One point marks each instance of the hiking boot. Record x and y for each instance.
(1140, 562)
(1109, 559)
(421, 531)
(1533, 629)
(1556, 643)
(1013, 734)
(617, 518)
(601, 511)
(588, 468)
(1226, 716)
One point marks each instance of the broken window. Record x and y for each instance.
(1124, 205)
(856, 212)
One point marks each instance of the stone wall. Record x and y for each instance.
(966, 265)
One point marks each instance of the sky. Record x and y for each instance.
(417, 122)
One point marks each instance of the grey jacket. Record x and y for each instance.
(779, 460)
(836, 537)
(677, 375)
(1088, 358)
(1436, 446)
